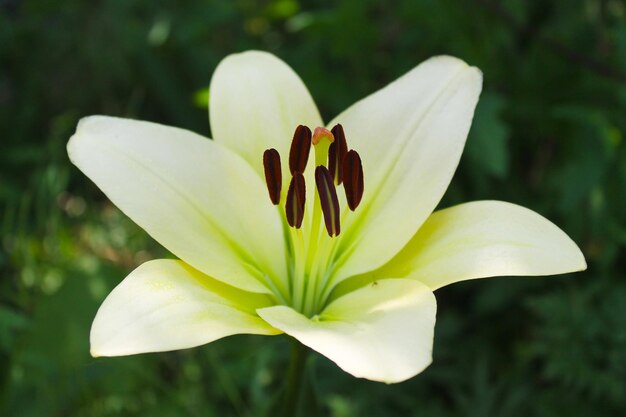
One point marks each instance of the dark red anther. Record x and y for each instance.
(328, 200)
(296, 195)
(273, 174)
(353, 179)
(336, 152)
(300, 149)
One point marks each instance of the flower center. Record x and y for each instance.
(312, 252)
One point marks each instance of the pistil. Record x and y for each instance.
(322, 139)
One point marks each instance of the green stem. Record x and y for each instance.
(295, 379)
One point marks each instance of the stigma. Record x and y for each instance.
(335, 166)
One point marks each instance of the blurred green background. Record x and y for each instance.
(548, 134)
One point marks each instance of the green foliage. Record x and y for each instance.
(549, 134)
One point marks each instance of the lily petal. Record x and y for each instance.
(382, 332)
(410, 136)
(165, 305)
(197, 198)
(256, 103)
(484, 239)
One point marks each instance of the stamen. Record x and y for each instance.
(296, 195)
(273, 174)
(337, 151)
(300, 149)
(328, 200)
(353, 179)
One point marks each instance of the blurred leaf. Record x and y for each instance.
(582, 351)
(487, 146)
(201, 98)
(11, 322)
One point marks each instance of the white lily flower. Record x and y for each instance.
(355, 285)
